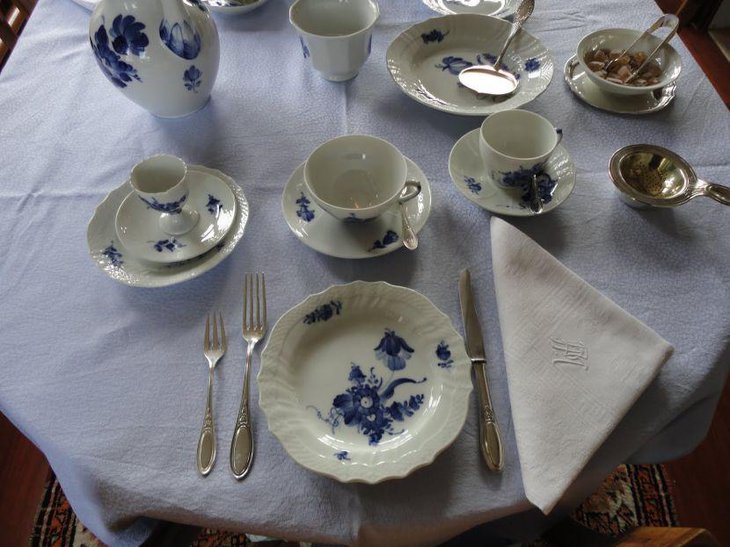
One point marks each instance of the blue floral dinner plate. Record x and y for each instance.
(555, 182)
(425, 61)
(364, 382)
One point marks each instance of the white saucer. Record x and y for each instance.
(113, 258)
(322, 232)
(466, 170)
(646, 103)
(138, 228)
(503, 9)
(425, 61)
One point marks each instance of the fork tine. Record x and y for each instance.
(216, 345)
(223, 333)
(250, 301)
(263, 294)
(245, 298)
(206, 340)
(258, 302)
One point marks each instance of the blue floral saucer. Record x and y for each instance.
(555, 182)
(324, 233)
(365, 382)
(137, 223)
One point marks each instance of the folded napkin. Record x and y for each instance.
(576, 362)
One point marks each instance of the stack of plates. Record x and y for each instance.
(127, 243)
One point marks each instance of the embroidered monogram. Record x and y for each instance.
(567, 353)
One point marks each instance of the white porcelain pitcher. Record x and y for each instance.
(162, 54)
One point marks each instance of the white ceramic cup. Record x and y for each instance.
(335, 34)
(514, 145)
(356, 178)
(161, 182)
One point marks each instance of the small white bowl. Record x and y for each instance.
(619, 38)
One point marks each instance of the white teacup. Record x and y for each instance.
(516, 144)
(161, 182)
(356, 178)
(335, 34)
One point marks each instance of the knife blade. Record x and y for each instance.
(489, 436)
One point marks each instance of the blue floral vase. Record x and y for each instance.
(162, 54)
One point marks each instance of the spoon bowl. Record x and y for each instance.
(652, 175)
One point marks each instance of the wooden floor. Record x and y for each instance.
(701, 481)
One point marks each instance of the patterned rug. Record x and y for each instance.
(634, 495)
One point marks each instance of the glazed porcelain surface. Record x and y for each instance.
(503, 9)
(619, 38)
(426, 59)
(555, 182)
(230, 7)
(587, 91)
(324, 233)
(365, 382)
(161, 54)
(139, 231)
(113, 258)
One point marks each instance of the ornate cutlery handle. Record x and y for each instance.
(242, 443)
(206, 442)
(489, 435)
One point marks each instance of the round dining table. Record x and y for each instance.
(109, 380)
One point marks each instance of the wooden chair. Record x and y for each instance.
(13, 15)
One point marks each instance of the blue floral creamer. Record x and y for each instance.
(161, 54)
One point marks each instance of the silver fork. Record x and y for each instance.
(213, 351)
(254, 328)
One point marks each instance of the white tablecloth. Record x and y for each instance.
(109, 380)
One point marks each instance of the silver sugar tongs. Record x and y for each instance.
(667, 20)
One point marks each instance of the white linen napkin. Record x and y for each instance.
(575, 360)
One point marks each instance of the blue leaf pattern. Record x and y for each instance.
(117, 71)
(324, 312)
(127, 36)
(304, 212)
(171, 208)
(191, 78)
(389, 238)
(473, 185)
(182, 40)
(114, 256)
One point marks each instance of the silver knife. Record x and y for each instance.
(489, 437)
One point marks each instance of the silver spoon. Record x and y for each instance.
(652, 175)
(535, 199)
(492, 79)
(410, 239)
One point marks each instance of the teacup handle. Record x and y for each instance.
(414, 189)
(560, 136)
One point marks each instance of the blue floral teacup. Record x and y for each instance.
(515, 145)
(161, 182)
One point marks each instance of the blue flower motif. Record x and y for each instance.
(545, 188)
(454, 64)
(114, 256)
(434, 36)
(444, 355)
(214, 205)
(473, 185)
(393, 350)
(171, 208)
(531, 65)
(343, 456)
(324, 312)
(117, 71)
(305, 49)
(353, 219)
(389, 238)
(167, 245)
(127, 36)
(192, 80)
(304, 212)
(182, 40)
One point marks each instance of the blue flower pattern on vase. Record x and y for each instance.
(117, 71)
(304, 212)
(167, 245)
(305, 49)
(182, 40)
(531, 65)
(343, 456)
(114, 256)
(171, 208)
(366, 403)
(191, 78)
(444, 355)
(434, 36)
(473, 185)
(214, 205)
(389, 237)
(324, 312)
(393, 350)
(127, 36)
